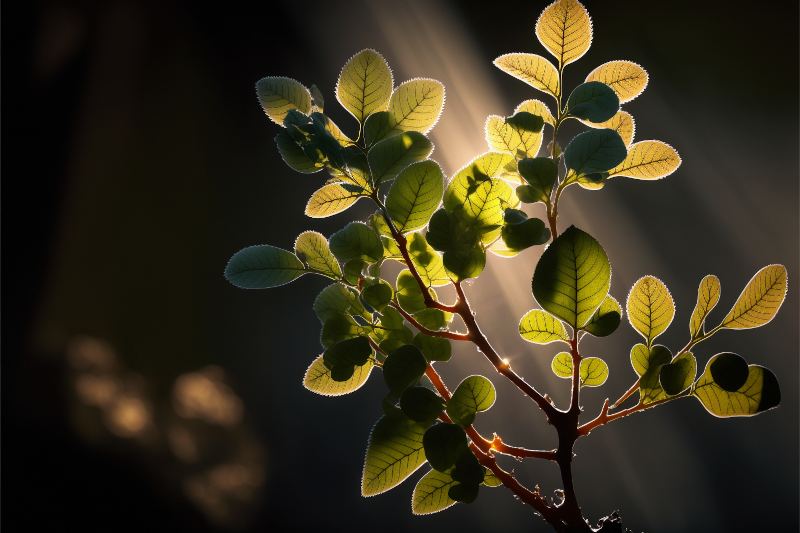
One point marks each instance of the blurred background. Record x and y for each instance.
(140, 390)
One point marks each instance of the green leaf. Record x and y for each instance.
(404, 367)
(433, 319)
(760, 391)
(379, 126)
(593, 101)
(377, 293)
(529, 195)
(409, 295)
(428, 263)
(343, 357)
(760, 300)
(294, 155)
(312, 248)
(534, 70)
(448, 234)
(606, 319)
(339, 327)
(468, 471)
(562, 365)
(333, 298)
(463, 492)
(417, 104)
(490, 480)
(444, 444)
(650, 308)
(365, 84)
(572, 277)
(542, 328)
(430, 494)
(707, 298)
(519, 135)
(263, 266)
(479, 170)
(650, 390)
(390, 156)
(318, 379)
(331, 199)
(433, 348)
(540, 173)
(473, 395)
(353, 270)
(595, 151)
(394, 452)
(464, 265)
(378, 223)
(415, 194)
(593, 372)
(421, 404)
(644, 358)
(391, 327)
(520, 232)
(678, 376)
(357, 241)
(278, 95)
(317, 100)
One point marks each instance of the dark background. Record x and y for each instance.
(136, 161)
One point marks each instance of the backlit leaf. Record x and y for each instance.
(490, 480)
(313, 249)
(464, 265)
(433, 348)
(278, 95)
(446, 233)
(648, 160)
(562, 365)
(650, 308)
(415, 194)
(650, 390)
(294, 155)
(403, 367)
(593, 372)
(760, 392)
(357, 241)
(478, 171)
(339, 327)
(606, 319)
(263, 266)
(626, 78)
(593, 101)
(444, 444)
(377, 293)
(394, 452)
(519, 135)
(417, 104)
(474, 395)
(643, 358)
(535, 107)
(409, 295)
(365, 84)
(329, 200)
(760, 300)
(622, 123)
(565, 29)
(433, 319)
(428, 263)
(707, 298)
(500, 249)
(333, 298)
(346, 355)
(572, 277)
(534, 70)
(679, 375)
(595, 151)
(379, 126)
(430, 494)
(542, 328)
(392, 155)
(318, 379)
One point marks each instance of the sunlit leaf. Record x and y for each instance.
(626, 78)
(707, 298)
(644, 358)
(760, 392)
(353, 270)
(421, 404)
(417, 104)
(501, 136)
(390, 156)
(294, 155)
(433, 348)
(430, 494)
(593, 101)
(394, 452)
(338, 327)
(377, 222)
(535, 107)
(562, 365)
(428, 263)
(433, 319)
(650, 390)
(379, 126)
(565, 29)
(760, 300)
(593, 372)
(595, 151)
(278, 95)
(377, 293)
(606, 319)
(329, 200)
(542, 328)
(464, 265)
(519, 135)
(357, 241)
(622, 123)
(318, 379)
(333, 298)
(409, 295)
(473, 395)
(312, 248)
(650, 308)
(343, 357)
(534, 70)
(490, 480)
(263, 266)
(648, 160)
(679, 375)
(482, 208)
(466, 181)
(365, 84)
(500, 249)
(415, 194)
(404, 367)
(572, 277)
(444, 444)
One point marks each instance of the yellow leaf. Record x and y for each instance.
(707, 298)
(565, 29)
(416, 105)
(501, 136)
(650, 308)
(562, 365)
(759, 393)
(622, 123)
(318, 379)
(593, 372)
(312, 248)
(365, 84)
(626, 78)
(329, 200)
(648, 160)
(279, 95)
(760, 300)
(534, 70)
(334, 130)
(535, 107)
(500, 249)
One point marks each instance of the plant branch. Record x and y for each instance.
(604, 418)
(445, 334)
